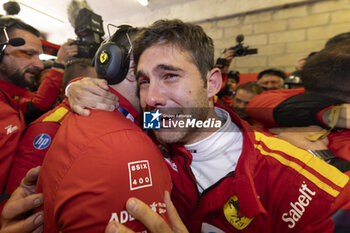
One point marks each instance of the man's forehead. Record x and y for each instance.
(270, 76)
(174, 54)
(32, 42)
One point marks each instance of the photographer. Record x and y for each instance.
(239, 50)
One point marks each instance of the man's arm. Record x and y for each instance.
(49, 88)
(261, 107)
(301, 110)
(22, 202)
(344, 116)
(90, 93)
(298, 137)
(149, 218)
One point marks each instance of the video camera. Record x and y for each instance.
(240, 50)
(89, 29)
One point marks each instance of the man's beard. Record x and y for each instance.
(19, 79)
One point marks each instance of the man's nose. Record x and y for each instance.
(37, 63)
(155, 96)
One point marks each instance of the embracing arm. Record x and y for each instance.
(90, 93)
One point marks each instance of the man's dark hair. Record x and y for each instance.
(276, 72)
(328, 72)
(186, 36)
(233, 75)
(345, 36)
(12, 23)
(251, 87)
(120, 37)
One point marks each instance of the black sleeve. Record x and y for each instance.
(32, 113)
(301, 110)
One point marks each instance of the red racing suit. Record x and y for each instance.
(261, 108)
(12, 125)
(34, 143)
(16, 101)
(276, 187)
(94, 165)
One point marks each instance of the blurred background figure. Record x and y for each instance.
(271, 79)
(225, 96)
(244, 94)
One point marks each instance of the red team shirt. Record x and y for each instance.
(93, 166)
(276, 187)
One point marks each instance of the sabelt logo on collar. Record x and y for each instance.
(231, 212)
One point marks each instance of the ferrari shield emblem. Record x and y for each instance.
(103, 57)
(231, 211)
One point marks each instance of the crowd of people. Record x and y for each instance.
(75, 155)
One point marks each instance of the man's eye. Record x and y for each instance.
(142, 81)
(170, 76)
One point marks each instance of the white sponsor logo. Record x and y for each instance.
(10, 129)
(298, 207)
(158, 207)
(172, 164)
(139, 174)
(123, 217)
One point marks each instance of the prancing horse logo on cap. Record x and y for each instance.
(103, 57)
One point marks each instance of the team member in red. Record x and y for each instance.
(18, 67)
(324, 89)
(233, 179)
(96, 163)
(37, 137)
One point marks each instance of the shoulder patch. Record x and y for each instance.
(56, 116)
(42, 141)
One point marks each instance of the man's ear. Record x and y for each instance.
(214, 82)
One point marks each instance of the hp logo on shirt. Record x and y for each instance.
(151, 120)
(42, 141)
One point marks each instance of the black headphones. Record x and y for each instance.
(8, 23)
(112, 60)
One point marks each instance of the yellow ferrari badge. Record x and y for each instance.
(231, 211)
(103, 57)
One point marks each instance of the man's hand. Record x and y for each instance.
(344, 117)
(91, 93)
(297, 136)
(153, 221)
(23, 200)
(228, 55)
(67, 52)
